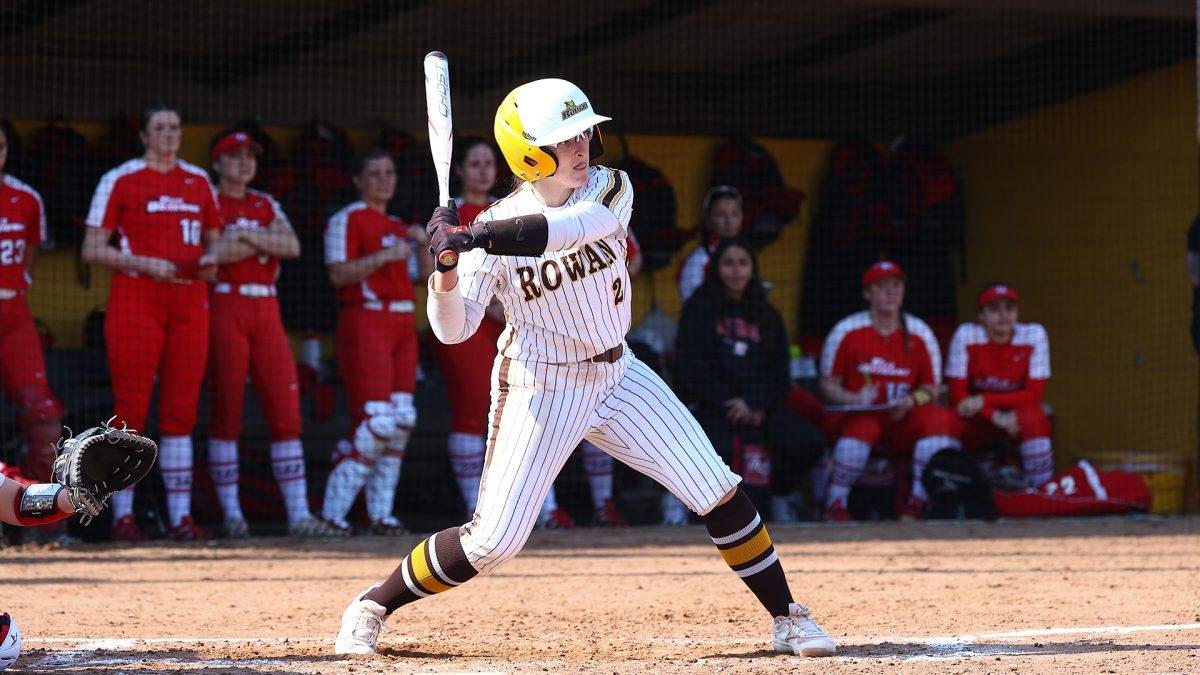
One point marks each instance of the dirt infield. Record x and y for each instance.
(1059, 596)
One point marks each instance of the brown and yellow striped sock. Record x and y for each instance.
(741, 537)
(437, 564)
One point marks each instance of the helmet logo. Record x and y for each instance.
(527, 136)
(570, 109)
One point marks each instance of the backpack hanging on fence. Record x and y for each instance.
(768, 204)
(62, 168)
(901, 203)
(120, 143)
(322, 156)
(653, 221)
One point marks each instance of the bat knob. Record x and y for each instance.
(448, 258)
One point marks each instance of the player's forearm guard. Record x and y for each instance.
(523, 235)
(38, 504)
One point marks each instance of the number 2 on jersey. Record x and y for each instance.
(618, 291)
(191, 231)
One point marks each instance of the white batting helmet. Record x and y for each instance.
(537, 115)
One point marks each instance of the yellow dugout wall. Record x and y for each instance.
(1084, 207)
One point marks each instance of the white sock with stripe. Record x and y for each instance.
(175, 462)
(466, 462)
(122, 503)
(287, 463)
(1037, 457)
(223, 468)
(850, 457)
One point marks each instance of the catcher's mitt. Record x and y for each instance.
(101, 461)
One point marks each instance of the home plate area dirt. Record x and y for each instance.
(1089, 596)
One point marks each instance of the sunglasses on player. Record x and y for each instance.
(585, 135)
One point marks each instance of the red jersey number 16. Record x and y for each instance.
(896, 391)
(191, 231)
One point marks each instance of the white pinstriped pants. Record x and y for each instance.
(541, 411)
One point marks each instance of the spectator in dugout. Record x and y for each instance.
(248, 338)
(22, 365)
(722, 210)
(885, 366)
(997, 372)
(164, 213)
(733, 374)
(373, 258)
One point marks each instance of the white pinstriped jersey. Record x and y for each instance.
(567, 305)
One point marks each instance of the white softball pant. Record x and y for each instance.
(541, 411)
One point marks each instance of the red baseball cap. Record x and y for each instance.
(997, 292)
(880, 271)
(234, 140)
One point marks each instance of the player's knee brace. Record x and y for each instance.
(404, 418)
(404, 409)
(374, 432)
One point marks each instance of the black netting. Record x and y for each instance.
(1052, 151)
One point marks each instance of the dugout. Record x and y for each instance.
(1072, 133)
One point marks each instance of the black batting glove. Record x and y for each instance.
(447, 234)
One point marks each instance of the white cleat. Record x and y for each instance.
(362, 622)
(799, 634)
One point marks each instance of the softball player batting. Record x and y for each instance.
(465, 366)
(248, 337)
(553, 252)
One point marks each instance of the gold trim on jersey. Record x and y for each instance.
(616, 188)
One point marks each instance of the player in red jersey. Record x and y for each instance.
(22, 366)
(370, 256)
(883, 357)
(248, 337)
(163, 212)
(997, 372)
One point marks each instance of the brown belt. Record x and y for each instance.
(609, 356)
